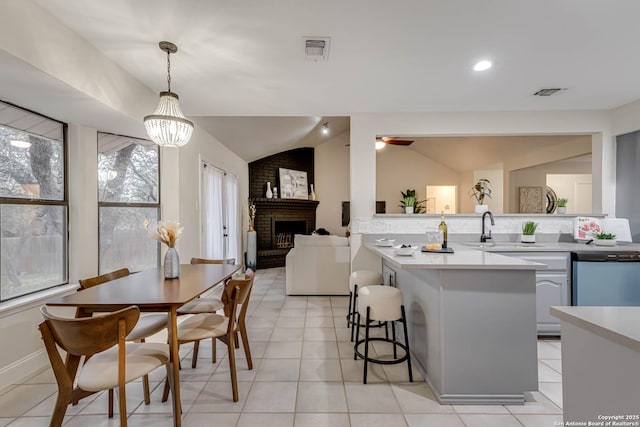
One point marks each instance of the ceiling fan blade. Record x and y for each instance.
(399, 142)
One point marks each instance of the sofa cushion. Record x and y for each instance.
(303, 240)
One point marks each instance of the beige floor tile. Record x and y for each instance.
(287, 334)
(554, 364)
(540, 420)
(377, 420)
(428, 420)
(345, 348)
(371, 398)
(319, 322)
(319, 334)
(320, 370)
(321, 420)
(353, 371)
(535, 403)
(44, 377)
(152, 420)
(189, 391)
(100, 420)
(32, 422)
(319, 312)
(259, 334)
(547, 374)
(272, 397)
(480, 409)
(5, 421)
(283, 349)
(548, 351)
(320, 350)
(217, 396)
(325, 397)
(278, 370)
(22, 398)
(271, 420)
(203, 419)
(490, 420)
(418, 398)
(553, 391)
(223, 372)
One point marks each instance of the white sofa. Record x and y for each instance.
(318, 265)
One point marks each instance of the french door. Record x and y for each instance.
(220, 223)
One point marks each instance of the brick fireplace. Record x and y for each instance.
(277, 221)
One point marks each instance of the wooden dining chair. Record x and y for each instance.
(225, 328)
(205, 304)
(147, 325)
(109, 361)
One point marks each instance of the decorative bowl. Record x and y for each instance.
(604, 242)
(385, 242)
(405, 251)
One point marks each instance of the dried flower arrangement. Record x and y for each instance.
(167, 232)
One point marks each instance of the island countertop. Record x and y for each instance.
(463, 258)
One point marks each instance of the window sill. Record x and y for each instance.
(28, 302)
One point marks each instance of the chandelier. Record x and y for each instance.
(168, 126)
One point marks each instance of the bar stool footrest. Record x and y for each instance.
(383, 361)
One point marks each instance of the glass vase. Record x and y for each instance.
(171, 264)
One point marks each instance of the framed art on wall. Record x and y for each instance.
(293, 184)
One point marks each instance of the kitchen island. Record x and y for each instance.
(471, 320)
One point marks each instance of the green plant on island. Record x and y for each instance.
(562, 203)
(529, 228)
(604, 236)
(480, 190)
(409, 200)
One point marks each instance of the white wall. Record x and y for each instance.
(495, 176)
(331, 168)
(102, 97)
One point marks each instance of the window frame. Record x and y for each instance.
(64, 202)
(125, 204)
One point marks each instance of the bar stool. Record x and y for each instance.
(382, 304)
(359, 279)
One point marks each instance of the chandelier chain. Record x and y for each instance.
(169, 71)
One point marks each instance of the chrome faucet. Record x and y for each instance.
(483, 237)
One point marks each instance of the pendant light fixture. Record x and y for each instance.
(168, 126)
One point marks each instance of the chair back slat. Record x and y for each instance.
(244, 293)
(89, 335)
(103, 278)
(213, 261)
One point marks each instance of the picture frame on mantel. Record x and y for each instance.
(293, 184)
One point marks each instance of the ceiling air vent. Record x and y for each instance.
(548, 92)
(316, 48)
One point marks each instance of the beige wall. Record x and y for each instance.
(332, 182)
(399, 169)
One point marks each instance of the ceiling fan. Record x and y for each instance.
(381, 141)
(392, 140)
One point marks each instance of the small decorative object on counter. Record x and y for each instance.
(443, 228)
(604, 239)
(269, 193)
(562, 206)
(528, 232)
(167, 232)
(312, 194)
(275, 192)
(409, 200)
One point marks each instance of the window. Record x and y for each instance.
(128, 194)
(33, 202)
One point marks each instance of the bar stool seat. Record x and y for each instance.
(359, 279)
(382, 304)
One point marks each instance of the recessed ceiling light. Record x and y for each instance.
(325, 128)
(380, 145)
(482, 65)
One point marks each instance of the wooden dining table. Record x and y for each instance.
(151, 292)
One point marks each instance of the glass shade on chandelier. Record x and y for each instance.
(168, 126)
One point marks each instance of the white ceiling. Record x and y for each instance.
(245, 57)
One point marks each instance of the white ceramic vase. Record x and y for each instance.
(171, 264)
(312, 195)
(408, 209)
(481, 208)
(269, 194)
(561, 209)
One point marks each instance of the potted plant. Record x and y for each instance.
(562, 205)
(409, 202)
(528, 232)
(604, 239)
(479, 191)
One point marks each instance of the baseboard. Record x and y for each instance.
(23, 369)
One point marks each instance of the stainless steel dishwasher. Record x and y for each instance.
(605, 278)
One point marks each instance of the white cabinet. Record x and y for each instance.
(552, 286)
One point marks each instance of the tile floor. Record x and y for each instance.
(304, 375)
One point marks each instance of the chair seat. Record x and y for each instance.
(202, 326)
(201, 305)
(100, 372)
(148, 325)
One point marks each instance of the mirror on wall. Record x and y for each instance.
(432, 164)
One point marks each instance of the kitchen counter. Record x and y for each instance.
(471, 317)
(549, 247)
(463, 258)
(600, 362)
